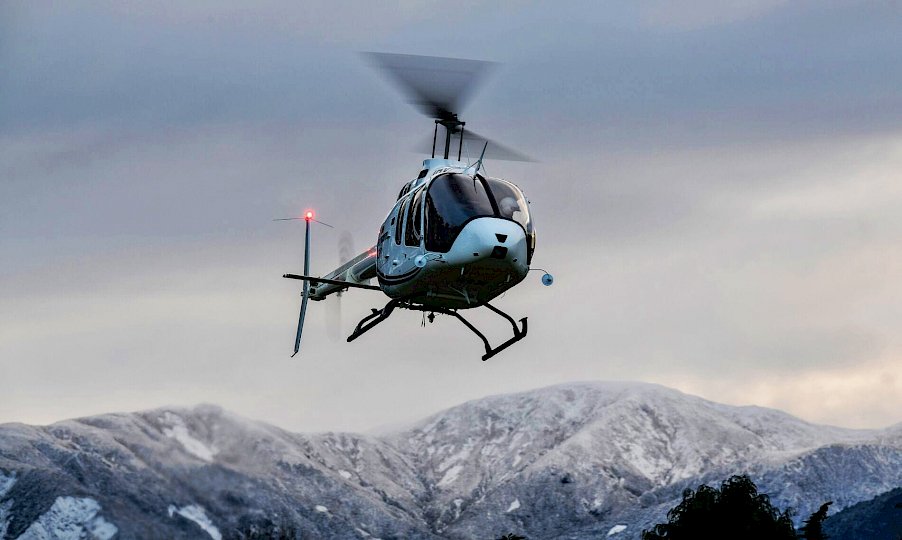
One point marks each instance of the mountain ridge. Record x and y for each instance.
(565, 461)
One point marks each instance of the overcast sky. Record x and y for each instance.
(718, 194)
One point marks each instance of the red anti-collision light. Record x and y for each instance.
(309, 215)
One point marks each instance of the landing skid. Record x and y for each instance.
(379, 315)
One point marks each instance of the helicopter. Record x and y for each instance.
(455, 238)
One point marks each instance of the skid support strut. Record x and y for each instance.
(374, 318)
(379, 315)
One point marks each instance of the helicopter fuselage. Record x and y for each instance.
(454, 239)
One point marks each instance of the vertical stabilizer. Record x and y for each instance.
(304, 295)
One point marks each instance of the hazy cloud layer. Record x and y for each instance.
(718, 197)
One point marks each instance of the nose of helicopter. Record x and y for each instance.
(491, 239)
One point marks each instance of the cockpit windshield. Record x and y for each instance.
(454, 199)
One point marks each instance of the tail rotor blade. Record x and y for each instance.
(333, 303)
(345, 247)
(333, 317)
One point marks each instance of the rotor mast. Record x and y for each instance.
(452, 125)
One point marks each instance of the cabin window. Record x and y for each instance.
(414, 218)
(400, 223)
(511, 203)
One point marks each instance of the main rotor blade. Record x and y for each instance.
(438, 86)
(473, 143)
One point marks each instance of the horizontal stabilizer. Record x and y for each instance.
(316, 280)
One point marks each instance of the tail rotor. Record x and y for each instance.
(333, 306)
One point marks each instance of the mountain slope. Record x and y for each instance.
(243, 475)
(604, 454)
(571, 461)
(877, 519)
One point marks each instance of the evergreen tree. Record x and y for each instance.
(814, 525)
(736, 511)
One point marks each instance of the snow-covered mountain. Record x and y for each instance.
(584, 460)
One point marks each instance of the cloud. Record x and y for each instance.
(695, 15)
(717, 199)
(806, 68)
(864, 395)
